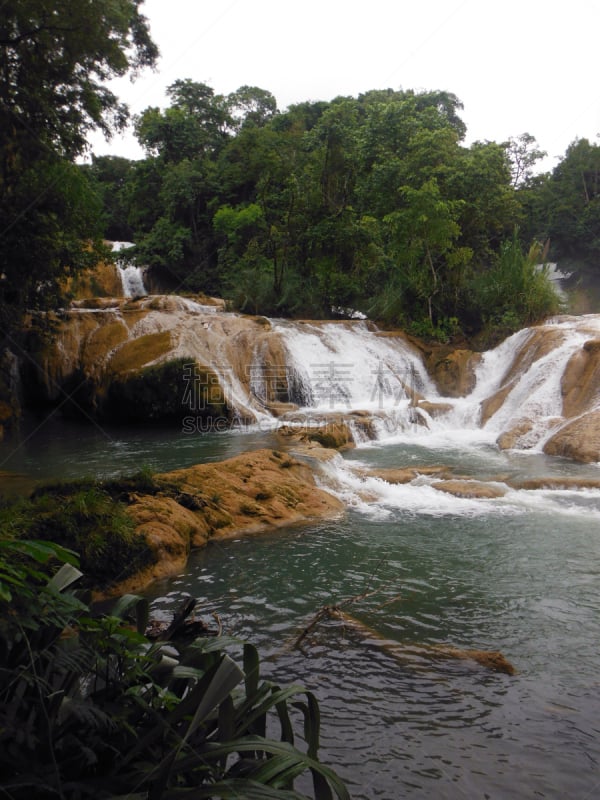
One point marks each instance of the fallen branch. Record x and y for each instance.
(490, 659)
(331, 612)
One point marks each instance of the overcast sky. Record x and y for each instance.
(517, 66)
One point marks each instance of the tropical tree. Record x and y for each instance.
(570, 206)
(55, 60)
(524, 154)
(424, 232)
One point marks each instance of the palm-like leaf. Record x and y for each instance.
(90, 708)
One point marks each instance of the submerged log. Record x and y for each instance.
(490, 659)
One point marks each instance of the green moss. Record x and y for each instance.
(133, 355)
(171, 390)
(85, 517)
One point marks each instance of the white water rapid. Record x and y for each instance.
(132, 278)
(349, 367)
(344, 368)
(462, 524)
(538, 391)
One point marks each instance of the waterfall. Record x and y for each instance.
(346, 366)
(275, 372)
(132, 278)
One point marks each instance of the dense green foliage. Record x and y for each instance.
(54, 61)
(90, 708)
(88, 517)
(564, 206)
(370, 203)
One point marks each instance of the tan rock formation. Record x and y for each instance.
(578, 439)
(401, 475)
(435, 409)
(540, 342)
(103, 280)
(494, 402)
(511, 438)
(253, 492)
(334, 434)
(469, 489)
(249, 493)
(454, 371)
(551, 482)
(580, 385)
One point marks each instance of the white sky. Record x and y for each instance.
(517, 66)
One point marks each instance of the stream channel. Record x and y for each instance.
(518, 573)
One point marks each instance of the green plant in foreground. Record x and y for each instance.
(90, 708)
(88, 517)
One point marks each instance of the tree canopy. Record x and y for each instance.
(370, 203)
(55, 59)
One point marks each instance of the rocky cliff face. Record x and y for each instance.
(172, 357)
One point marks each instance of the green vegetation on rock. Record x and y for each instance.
(85, 516)
(90, 707)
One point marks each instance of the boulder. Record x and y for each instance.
(454, 371)
(333, 434)
(435, 409)
(253, 492)
(470, 489)
(511, 438)
(578, 439)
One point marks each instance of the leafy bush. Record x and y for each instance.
(84, 516)
(90, 708)
(516, 291)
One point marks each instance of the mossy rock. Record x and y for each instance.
(83, 516)
(172, 390)
(139, 352)
(103, 280)
(102, 341)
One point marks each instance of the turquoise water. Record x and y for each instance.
(406, 726)
(520, 574)
(49, 448)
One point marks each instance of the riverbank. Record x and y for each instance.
(132, 531)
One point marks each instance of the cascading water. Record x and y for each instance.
(345, 367)
(348, 366)
(446, 539)
(132, 278)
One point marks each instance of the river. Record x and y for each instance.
(519, 573)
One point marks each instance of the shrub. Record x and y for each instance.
(90, 708)
(516, 291)
(86, 517)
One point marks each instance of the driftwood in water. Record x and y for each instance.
(490, 659)
(330, 612)
(180, 626)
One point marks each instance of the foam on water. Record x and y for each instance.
(375, 497)
(132, 278)
(348, 366)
